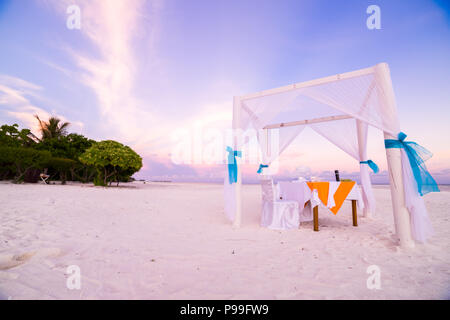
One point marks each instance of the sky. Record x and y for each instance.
(151, 73)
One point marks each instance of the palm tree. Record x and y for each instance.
(53, 128)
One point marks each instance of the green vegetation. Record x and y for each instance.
(113, 161)
(62, 167)
(53, 128)
(16, 161)
(63, 156)
(10, 136)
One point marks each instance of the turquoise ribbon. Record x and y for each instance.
(232, 164)
(261, 166)
(372, 165)
(417, 155)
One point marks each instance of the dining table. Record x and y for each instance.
(327, 194)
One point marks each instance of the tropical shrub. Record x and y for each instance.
(32, 175)
(61, 167)
(11, 136)
(18, 160)
(112, 160)
(7, 169)
(71, 146)
(23, 155)
(82, 172)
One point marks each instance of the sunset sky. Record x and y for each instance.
(140, 71)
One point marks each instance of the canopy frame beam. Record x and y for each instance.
(310, 83)
(310, 121)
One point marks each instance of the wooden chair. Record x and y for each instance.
(44, 176)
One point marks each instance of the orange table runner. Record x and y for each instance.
(339, 196)
(322, 189)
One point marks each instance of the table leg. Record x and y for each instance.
(354, 213)
(316, 218)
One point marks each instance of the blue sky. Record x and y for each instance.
(137, 70)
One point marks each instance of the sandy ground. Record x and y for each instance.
(172, 241)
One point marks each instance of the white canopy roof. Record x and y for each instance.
(364, 94)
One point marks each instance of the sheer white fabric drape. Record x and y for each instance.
(421, 228)
(350, 135)
(274, 141)
(229, 191)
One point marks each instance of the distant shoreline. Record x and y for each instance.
(442, 187)
(247, 183)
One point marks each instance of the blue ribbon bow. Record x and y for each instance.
(372, 165)
(261, 166)
(232, 164)
(417, 155)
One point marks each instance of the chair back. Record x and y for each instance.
(268, 194)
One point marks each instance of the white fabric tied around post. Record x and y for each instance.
(366, 184)
(421, 228)
(272, 143)
(418, 182)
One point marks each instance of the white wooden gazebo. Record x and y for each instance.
(340, 108)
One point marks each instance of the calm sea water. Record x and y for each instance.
(442, 187)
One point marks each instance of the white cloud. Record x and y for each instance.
(116, 29)
(15, 95)
(112, 27)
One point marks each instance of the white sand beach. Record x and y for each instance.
(172, 241)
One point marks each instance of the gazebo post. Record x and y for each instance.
(394, 160)
(236, 137)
